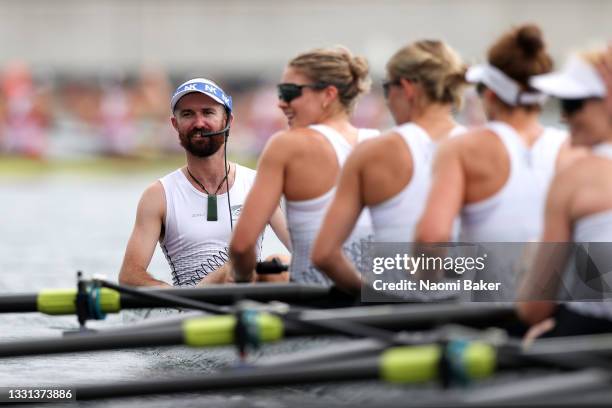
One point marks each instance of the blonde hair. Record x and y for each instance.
(435, 66)
(336, 66)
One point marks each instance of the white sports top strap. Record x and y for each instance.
(603, 150)
(338, 142)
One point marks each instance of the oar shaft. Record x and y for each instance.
(218, 294)
(91, 342)
(338, 371)
(405, 365)
(167, 299)
(16, 303)
(401, 317)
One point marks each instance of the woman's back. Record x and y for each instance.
(304, 215)
(506, 183)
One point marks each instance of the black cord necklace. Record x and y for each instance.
(211, 213)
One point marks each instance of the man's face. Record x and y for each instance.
(196, 114)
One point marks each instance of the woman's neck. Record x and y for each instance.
(340, 123)
(526, 123)
(437, 120)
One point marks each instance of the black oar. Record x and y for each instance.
(207, 330)
(398, 365)
(61, 301)
(407, 364)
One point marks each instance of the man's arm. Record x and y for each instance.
(340, 219)
(142, 242)
(259, 206)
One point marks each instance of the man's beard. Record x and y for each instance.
(203, 147)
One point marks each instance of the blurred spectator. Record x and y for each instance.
(473, 114)
(264, 118)
(371, 112)
(117, 126)
(156, 134)
(127, 115)
(26, 114)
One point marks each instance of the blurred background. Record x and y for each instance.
(82, 79)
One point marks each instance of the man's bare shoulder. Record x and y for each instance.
(154, 190)
(153, 199)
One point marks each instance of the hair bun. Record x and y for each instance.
(336, 66)
(360, 70)
(529, 38)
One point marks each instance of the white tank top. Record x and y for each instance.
(395, 219)
(193, 246)
(304, 217)
(596, 227)
(516, 212)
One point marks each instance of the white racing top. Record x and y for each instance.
(395, 219)
(304, 217)
(193, 246)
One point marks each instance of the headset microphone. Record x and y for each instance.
(219, 132)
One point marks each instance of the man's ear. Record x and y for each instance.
(174, 122)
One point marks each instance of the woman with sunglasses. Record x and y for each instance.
(318, 92)
(391, 174)
(579, 207)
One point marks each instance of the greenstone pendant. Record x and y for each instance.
(211, 213)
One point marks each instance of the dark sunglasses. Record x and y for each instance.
(386, 85)
(480, 88)
(288, 92)
(571, 106)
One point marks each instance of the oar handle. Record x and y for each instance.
(273, 267)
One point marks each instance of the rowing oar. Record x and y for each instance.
(62, 301)
(219, 330)
(407, 364)
(456, 362)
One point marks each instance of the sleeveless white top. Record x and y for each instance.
(304, 217)
(596, 227)
(193, 246)
(395, 219)
(516, 212)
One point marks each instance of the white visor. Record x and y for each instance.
(507, 89)
(577, 80)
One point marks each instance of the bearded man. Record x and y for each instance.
(189, 211)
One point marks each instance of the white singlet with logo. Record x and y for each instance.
(395, 219)
(193, 246)
(304, 217)
(595, 228)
